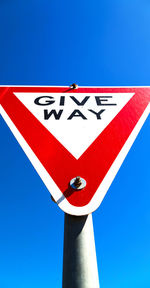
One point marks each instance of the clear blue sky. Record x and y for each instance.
(57, 43)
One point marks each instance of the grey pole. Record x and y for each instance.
(79, 260)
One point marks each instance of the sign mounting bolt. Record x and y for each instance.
(74, 86)
(78, 183)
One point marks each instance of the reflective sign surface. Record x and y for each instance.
(67, 133)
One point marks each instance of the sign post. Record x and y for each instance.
(79, 259)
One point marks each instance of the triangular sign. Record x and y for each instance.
(84, 132)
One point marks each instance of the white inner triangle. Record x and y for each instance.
(75, 134)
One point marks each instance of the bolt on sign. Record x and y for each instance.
(76, 139)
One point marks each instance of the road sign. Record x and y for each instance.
(76, 139)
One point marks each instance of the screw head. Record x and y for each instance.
(77, 183)
(74, 86)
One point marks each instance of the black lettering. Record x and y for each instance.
(76, 113)
(80, 103)
(97, 113)
(47, 102)
(62, 101)
(53, 112)
(100, 99)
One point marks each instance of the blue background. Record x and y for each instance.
(58, 43)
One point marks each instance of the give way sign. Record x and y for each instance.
(76, 139)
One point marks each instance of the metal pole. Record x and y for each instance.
(79, 260)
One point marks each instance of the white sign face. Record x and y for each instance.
(73, 118)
